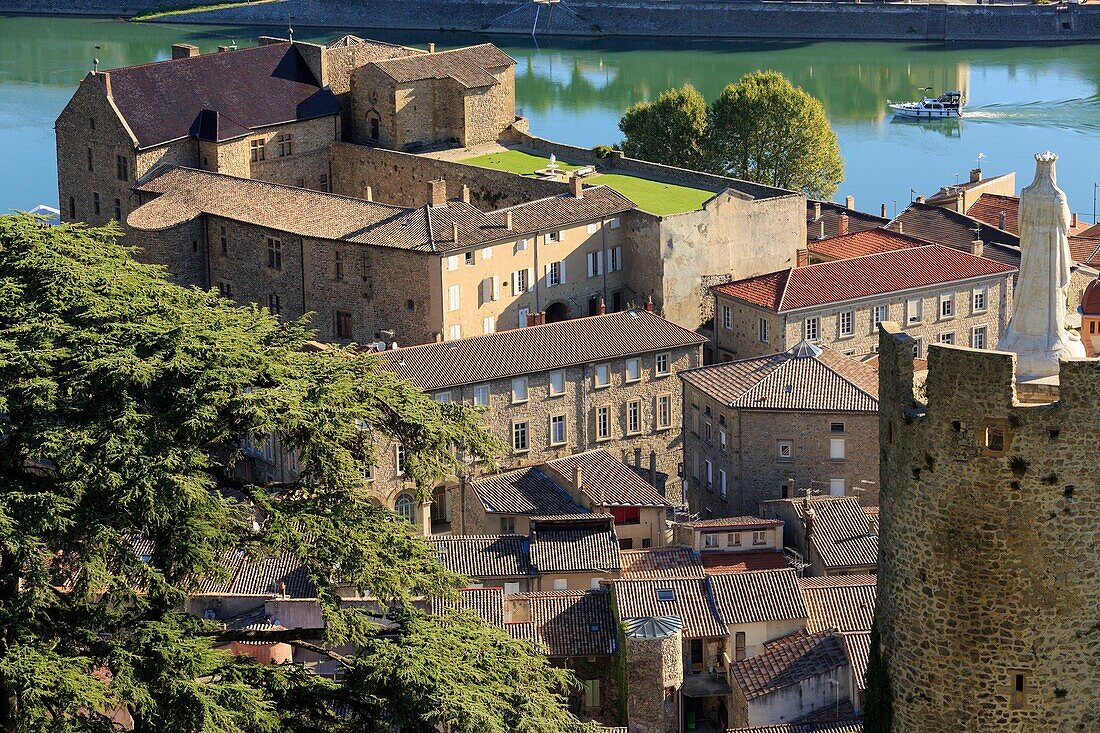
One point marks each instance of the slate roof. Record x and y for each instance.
(661, 562)
(573, 623)
(787, 661)
(718, 561)
(185, 193)
(485, 556)
(607, 481)
(240, 90)
(857, 647)
(840, 281)
(468, 66)
(546, 347)
(487, 603)
(523, 491)
(805, 377)
(859, 244)
(692, 603)
(830, 214)
(951, 229)
(576, 544)
(842, 602)
(767, 595)
(260, 576)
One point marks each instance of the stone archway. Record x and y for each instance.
(557, 311)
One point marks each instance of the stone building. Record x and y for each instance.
(833, 535)
(752, 426)
(553, 390)
(990, 509)
(942, 295)
(372, 272)
(756, 608)
(734, 544)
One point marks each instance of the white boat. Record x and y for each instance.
(948, 104)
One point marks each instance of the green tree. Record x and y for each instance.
(878, 713)
(765, 129)
(122, 397)
(672, 129)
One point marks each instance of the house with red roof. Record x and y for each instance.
(938, 294)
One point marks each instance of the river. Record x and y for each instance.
(1022, 99)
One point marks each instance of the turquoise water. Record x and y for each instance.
(1022, 99)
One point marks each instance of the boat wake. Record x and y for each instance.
(1071, 114)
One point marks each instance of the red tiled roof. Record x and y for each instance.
(1093, 231)
(989, 207)
(866, 242)
(662, 562)
(720, 562)
(1085, 250)
(787, 661)
(858, 277)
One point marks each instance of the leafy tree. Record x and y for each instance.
(671, 129)
(122, 397)
(765, 129)
(878, 714)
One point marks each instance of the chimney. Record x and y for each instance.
(1073, 220)
(369, 194)
(653, 468)
(578, 479)
(901, 227)
(223, 49)
(821, 229)
(808, 521)
(960, 203)
(817, 210)
(431, 48)
(184, 50)
(849, 202)
(1002, 219)
(790, 488)
(649, 303)
(638, 458)
(977, 246)
(975, 175)
(437, 193)
(920, 199)
(576, 187)
(883, 215)
(842, 225)
(454, 232)
(465, 194)
(508, 220)
(603, 307)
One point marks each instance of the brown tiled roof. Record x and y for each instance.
(952, 229)
(185, 193)
(598, 202)
(788, 661)
(1085, 250)
(1092, 231)
(989, 207)
(485, 556)
(487, 603)
(260, 577)
(845, 726)
(830, 214)
(804, 378)
(841, 602)
(691, 602)
(858, 244)
(766, 595)
(661, 562)
(872, 517)
(735, 522)
(524, 630)
(573, 623)
(468, 66)
(240, 90)
(840, 281)
(523, 491)
(607, 481)
(576, 544)
(506, 354)
(857, 647)
(717, 562)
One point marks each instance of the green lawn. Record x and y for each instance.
(657, 198)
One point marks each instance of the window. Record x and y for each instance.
(555, 274)
(274, 253)
(591, 693)
(256, 150)
(452, 262)
(634, 417)
(95, 202)
(978, 300)
(519, 389)
(557, 383)
(593, 227)
(878, 314)
(602, 375)
(519, 436)
(399, 458)
(844, 323)
(977, 337)
(633, 370)
(404, 508)
(91, 124)
(947, 337)
(557, 429)
(521, 317)
(455, 332)
(490, 289)
(561, 584)
(722, 440)
(836, 486)
(947, 305)
(595, 263)
(603, 423)
(508, 526)
(223, 240)
(338, 265)
(707, 430)
(836, 427)
(118, 209)
(510, 588)
(614, 259)
(481, 394)
(274, 304)
(453, 298)
(763, 330)
(553, 237)
(784, 450)
(759, 537)
(722, 483)
(90, 164)
(367, 472)
(918, 348)
(487, 253)
(343, 325)
(614, 223)
(521, 244)
(739, 646)
(666, 594)
(733, 539)
(710, 540)
(727, 318)
(837, 449)
(811, 329)
(994, 437)
(470, 259)
(520, 284)
(664, 411)
(442, 396)
(323, 183)
(913, 309)
(662, 364)
(489, 324)
(708, 474)
(286, 145)
(300, 183)
(122, 167)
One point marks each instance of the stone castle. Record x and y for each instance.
(990, 513)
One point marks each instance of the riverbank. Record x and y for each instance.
(733, 19)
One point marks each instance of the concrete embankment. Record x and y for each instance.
(750, 19)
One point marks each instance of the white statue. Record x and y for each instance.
(553, 162)
(1037, 331)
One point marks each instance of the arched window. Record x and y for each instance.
(405, 508)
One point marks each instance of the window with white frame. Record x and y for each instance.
(519, 436)
(603, 422)
(633, 370)
(759, 537)
(511, 588)
(405, 508)
(561, 584)
(978, 337)
(763, 330)
(733, 539)
(918, 348)
(489, 324)
(913, 310)
(520, 282)
(453, 300)
(519, 389)
(452, 262)
(481, 394)
(836, 427)
(614, 259)
(521, 245)
(709, 473)
(947, 305)
(978, 299)
(947, 337)
(722, 440)
(471, 259)
(442, 396)
(595, 263)
(879, 314)
(490, 289)
(554, 236)
(727, 318)
(662, 364)
(555, 274)
(836, 487)
(557, 429)
(710, 540)
(664, 411)
(614, 223)
(811, 330)
(844, 322)
(455, 332)
(593, 227)
(557, 383)
(399, 458)
(601, 375)
(784, 450)
(837, 449)
(634, 417)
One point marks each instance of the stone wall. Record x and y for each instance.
(654, 667)
(987, 566)
(180, 250)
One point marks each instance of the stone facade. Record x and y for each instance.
(654, 673)
(988, 594)
(738, 333)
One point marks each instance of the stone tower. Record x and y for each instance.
(989, 578)
(654, 673)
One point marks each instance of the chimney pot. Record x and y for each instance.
(960, 202)
(638, 458)
(821, 229)
(437, 193)
(184, 50)
(1073, 220)
(883, 211)
(508, 220)
(465, 194)
(223, 49)
(603, 307)
(454, 232)
(1002, 219)
(817, 210)
(653, 468)
(431, 48)
(977, 246)
(578, 479)
(901, 227)
(649, 303)
(975, 175)
(920, 199)
(849, 202)
(369, 194)
(576, 187)
(842, 225)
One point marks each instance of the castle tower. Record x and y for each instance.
(989, 578)
(654, 673)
